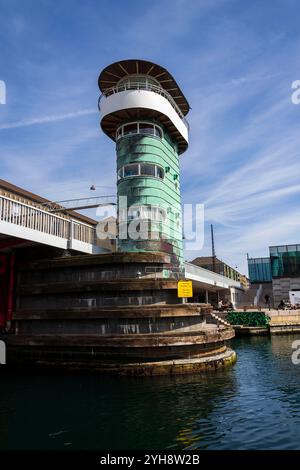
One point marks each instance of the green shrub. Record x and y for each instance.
(248, 318)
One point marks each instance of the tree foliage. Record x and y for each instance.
(248, 318)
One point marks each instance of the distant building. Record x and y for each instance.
(218, 266)
(285, 260)
(259, 270)
(281, 268)
(245, 281)
(285, 267)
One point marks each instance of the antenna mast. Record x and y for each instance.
(213, 253)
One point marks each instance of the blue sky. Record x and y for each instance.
(235, 61)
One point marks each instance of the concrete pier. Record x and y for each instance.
(92, 312)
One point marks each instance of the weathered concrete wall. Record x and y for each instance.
(109, 326)
(285, 321)
(282, 286)
(96, 281)
(69, 313)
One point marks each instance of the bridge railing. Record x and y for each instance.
(158, 272)
(83, 232)
(193, 271)
(34, 218)
(27, 216)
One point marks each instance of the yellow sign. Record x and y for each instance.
(185, 289)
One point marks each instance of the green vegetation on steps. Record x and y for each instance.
(248, 318)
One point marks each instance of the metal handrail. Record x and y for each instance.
(146, 87)
(79, 203)
(210, 275)
(158, 271)
(35, 218)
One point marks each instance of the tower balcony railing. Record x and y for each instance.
(145, 86)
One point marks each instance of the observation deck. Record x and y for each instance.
(136, 89)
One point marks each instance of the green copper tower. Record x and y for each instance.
(143, 110)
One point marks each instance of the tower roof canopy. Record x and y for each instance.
(110, 76)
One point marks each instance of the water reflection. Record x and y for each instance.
(253, 405)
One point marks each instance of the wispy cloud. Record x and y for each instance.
(234, 64)
(47, 119)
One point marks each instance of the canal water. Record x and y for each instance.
(253, 405)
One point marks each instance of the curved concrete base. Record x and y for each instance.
(93, 313)
(195, 365)
(251, 330)
(172, 367)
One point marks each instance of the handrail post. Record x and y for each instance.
(71, 233)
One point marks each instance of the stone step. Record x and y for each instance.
(223, 322)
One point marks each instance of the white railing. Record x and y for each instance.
(144, 86)
(83, 232)
(209, 277)
(158, 272)
(32, 218)
(192, 272)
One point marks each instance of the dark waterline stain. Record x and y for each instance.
(253, 405)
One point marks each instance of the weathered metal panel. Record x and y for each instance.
(146, 190)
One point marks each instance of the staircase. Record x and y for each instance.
(219, 320)
(266, 290)
(255, 295)
(249, 296)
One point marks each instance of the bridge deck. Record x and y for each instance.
(29, 222)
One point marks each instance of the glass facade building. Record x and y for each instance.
(259, 269)
(285, 260)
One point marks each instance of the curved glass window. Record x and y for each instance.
(158, 132)
(147, 169)
(159, 172)
(131, 81)
(141, 169)
(134, 213)
(119, 133)
(150, 212)
(131, 170)
(130, 129)
(144, 128)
